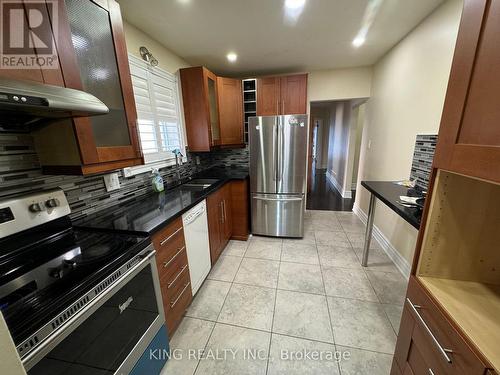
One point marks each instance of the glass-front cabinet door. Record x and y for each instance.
(99, 51)
(213, 107)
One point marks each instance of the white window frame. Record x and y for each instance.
(163, 158)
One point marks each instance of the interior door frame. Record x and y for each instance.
(309, 153)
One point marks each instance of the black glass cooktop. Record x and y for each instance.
(43, 271)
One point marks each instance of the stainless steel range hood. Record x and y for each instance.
(25, 103)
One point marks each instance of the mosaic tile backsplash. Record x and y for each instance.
(20, 173)
(421, 166)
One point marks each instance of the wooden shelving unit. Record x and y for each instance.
(249, 101)
(459, 262)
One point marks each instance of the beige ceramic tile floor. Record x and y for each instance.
(285, 297)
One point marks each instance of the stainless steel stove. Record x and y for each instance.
(75, 301)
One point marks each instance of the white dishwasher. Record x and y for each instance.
(198, 250)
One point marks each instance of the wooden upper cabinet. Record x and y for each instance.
(92, 58)
(268, 96)
(469, 136)
(201, 108)
(284, 95)
(51, 76)
(230, 97)
(293, 94)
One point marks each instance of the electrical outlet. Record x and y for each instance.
(197, 159)
(111, 181)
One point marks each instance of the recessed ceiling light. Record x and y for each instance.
(295, 4)
(232, 57)
(358, 41)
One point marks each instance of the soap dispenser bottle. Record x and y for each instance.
(157, 181)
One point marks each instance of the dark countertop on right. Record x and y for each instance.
(389, 191)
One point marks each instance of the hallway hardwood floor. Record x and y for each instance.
(323, 196)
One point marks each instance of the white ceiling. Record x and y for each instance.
(204, 31)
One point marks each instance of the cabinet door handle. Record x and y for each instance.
(282, 107)
(431, 372)
(444, 352)
(277, 106)
(174, 302)
(165, 240)
(166, 264)
(176, 277)
(222, 211)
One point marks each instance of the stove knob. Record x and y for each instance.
(57, 273)
(37, 207)
(70, 263)
(53, 202)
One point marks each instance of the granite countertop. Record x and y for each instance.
(148, 213)
(388, 192)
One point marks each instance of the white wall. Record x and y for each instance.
(408, 90)
(339, 84)
(339, 161)
(136, 38)
(359, 116)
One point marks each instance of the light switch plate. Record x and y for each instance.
(111, 181)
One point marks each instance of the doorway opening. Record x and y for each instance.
(336, 129)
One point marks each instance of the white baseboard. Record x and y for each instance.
(336, 185)
(401, 263)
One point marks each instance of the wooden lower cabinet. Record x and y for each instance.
(228, 211)
(173, 272)
(227, 217)
(240, 211)
(395, 369)
(214, 213)
(220, 223)
(428, 343)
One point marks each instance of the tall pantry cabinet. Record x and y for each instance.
(451, 316)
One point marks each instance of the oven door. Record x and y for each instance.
(112, 333)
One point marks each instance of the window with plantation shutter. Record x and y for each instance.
(158, 111)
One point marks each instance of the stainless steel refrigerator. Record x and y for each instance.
(278, 164)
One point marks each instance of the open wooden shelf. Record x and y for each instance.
(462, 233)
(459, 262)
(475, 308)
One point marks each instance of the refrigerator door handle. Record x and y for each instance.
(275, 152)
(289, 199)
(282, 151)
(279, 151)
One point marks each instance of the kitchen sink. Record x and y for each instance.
(202, 183)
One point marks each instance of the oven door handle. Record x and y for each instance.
(66, 328)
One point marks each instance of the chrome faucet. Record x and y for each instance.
(178, 162)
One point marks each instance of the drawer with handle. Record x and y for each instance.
(168, 269)
(172, 286)
(169, 242)
(176, 300)
(443, 349)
